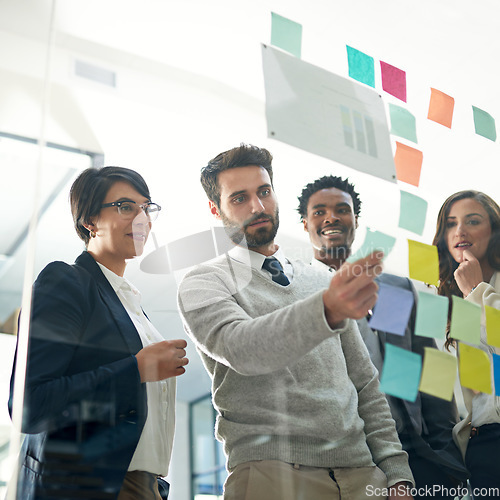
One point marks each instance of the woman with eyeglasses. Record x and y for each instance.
(100, 381)
(468, 242)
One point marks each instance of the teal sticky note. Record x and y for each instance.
(412, 212)
(432, 315)
(465, 320)
(286, 34)
(484, 124)
(401, 373)
(496, 373)
(374, 240)
(403, 123)
(361, 66)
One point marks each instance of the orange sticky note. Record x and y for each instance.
(408, 163)
(474, 368)
(441, 108)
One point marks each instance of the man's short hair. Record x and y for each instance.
(241, 156)
(325, 182)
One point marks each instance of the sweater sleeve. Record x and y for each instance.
(485, 295)
(380, 430)
(225, 332)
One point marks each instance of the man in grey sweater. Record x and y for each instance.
(299, 409)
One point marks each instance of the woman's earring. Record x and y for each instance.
(92, 233)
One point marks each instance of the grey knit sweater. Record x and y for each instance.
(285, 385)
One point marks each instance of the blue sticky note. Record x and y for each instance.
(401, 373)
(412, 212)
(496, 373)
(484, 124)
(403, 123)
(374, 240)
(392, 310)
(361, 66)
(286, 34)
(432, 315)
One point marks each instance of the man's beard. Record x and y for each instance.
(261, 236)
(340, 252)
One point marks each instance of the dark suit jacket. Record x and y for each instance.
(85, 406)
(424, 426)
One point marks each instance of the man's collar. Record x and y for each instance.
(321, 265)
(255, 259)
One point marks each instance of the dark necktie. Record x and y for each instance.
(273, 265)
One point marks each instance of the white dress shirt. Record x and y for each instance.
(154, 448)
(255, 260)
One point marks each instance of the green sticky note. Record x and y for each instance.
(401, 373)
(474, 368)
(403, 123)
(439, 373)
(432, 315)
(286, 34)
(465, 320)
(484, 124)
(412, 212)
(492, 326)
(423, 262)
(361, 66)
(374, 240)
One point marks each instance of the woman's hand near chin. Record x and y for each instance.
(468, 274)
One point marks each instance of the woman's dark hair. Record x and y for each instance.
(89, 191)
(447, 265)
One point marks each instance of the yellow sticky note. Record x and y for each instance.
(475, 368)
(438, 373)
(492, 326)
(423, 262)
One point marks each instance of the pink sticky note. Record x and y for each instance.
(393, 80)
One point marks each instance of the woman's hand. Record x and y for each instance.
(162, 360)
(468, 274)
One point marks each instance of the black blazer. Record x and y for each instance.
(424, 426)
(85, 406)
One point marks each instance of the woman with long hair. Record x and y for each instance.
(100, 390)
(468, 242)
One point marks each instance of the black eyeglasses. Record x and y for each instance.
(129, 209)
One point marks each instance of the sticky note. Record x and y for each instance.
(393, 80)
(361, 66)
(392, 310)
(496, 373)
(465, 320)
(484, 124)
(492, 326)
(441, 108)
(374, 240)
(403, 123)
(474, 368)
(432, 315)
(401, 373)
(412, 212)
(423, 262)
(286, 34)
(408, 163)
(439, 373)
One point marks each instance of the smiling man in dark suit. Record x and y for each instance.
(329, 209)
